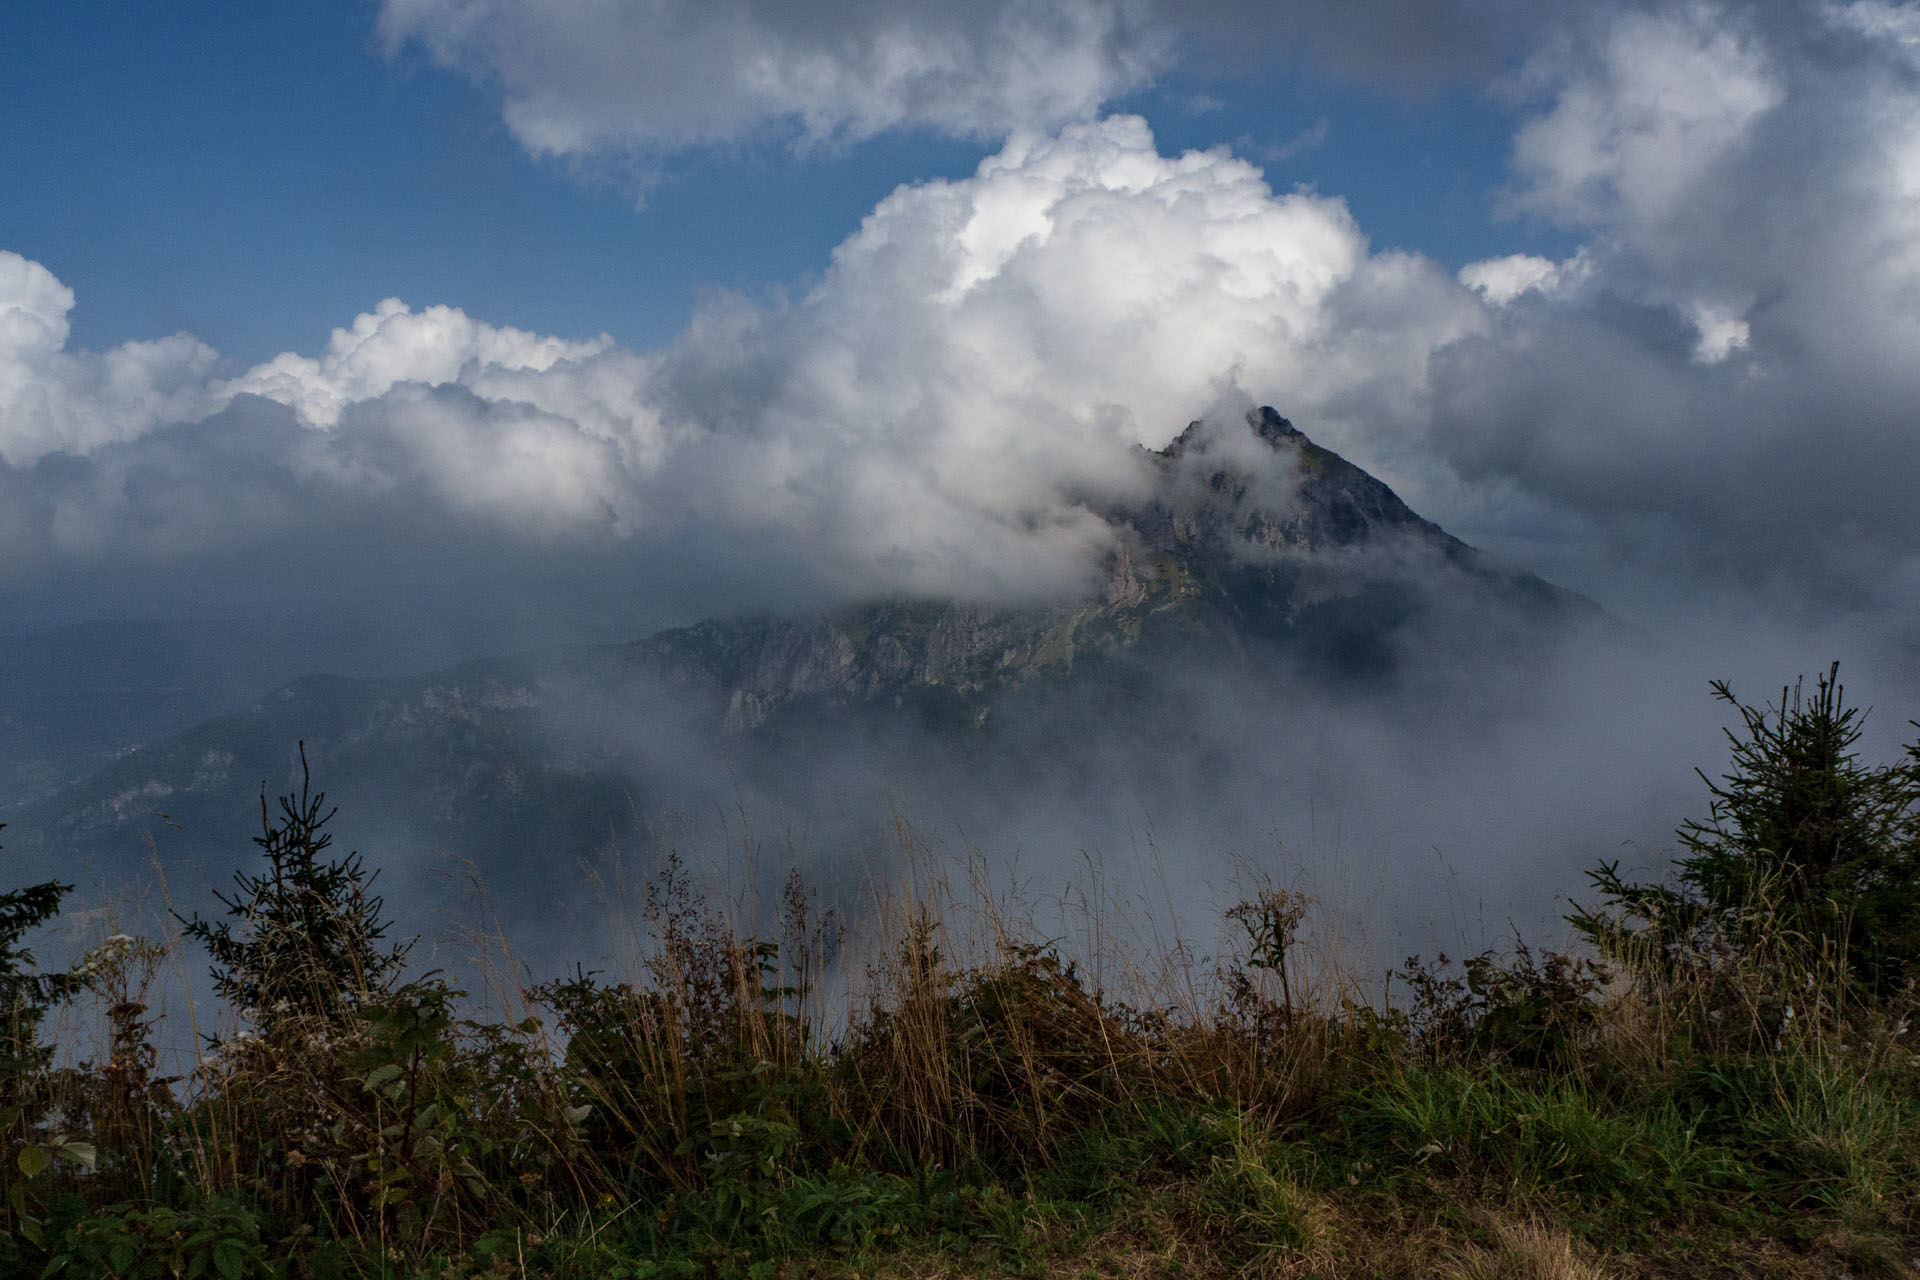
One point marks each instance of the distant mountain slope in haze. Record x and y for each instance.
(1252, 551)
(74, 697)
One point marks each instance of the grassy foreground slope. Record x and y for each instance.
(1722, 1081)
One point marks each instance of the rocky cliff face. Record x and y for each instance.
(1269, 491)
(1251, 533)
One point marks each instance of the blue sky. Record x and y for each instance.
(1623, 292)
(255, 174)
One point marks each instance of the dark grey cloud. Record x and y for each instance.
(1409, 45)
(1721, 383)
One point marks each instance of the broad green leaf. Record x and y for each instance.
(386, 1075)
(32, 1160)
(228, 1260)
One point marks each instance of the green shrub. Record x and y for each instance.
(217, 1240)
(1532, 1011)
(26, 997)
(1805, 853)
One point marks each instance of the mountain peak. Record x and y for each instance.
(1268, 490)
(1266, 423)
(1252, 536)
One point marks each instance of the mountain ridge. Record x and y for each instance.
(1204, 556)
(1254, 545)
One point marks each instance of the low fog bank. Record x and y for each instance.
(1453, 807)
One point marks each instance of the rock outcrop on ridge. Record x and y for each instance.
(1261, 537)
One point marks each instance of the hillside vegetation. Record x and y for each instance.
(1720, 1079)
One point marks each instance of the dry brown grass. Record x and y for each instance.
(1523, 1249)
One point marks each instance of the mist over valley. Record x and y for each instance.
(1279, 672)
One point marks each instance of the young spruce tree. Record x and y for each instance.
(25, 998)
(302, 941)
(1801, 840)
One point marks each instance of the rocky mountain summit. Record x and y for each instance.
(1212, 505)
(1251, 534)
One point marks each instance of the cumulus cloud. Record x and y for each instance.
(981, 352)
(1501, 280)
(1716, 387)
(658, 76)
(942, 413)
(649, 78)
(53, 400)
(1715, 384)
(393, 344)
(1722, 391)
(1641, 120)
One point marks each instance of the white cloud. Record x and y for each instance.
(940, 413)
(502, 462)
(645, 78)
(655, 75)
(1501, 280)
(1722, 332)
(57, 401)
(983, 352)
(33, 308)
(394, 344)
(1717, 385)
